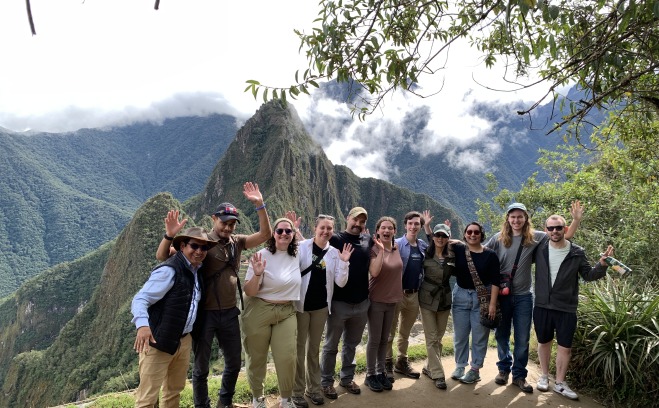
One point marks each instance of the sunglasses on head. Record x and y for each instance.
(282, 231)
(557, 228)
(325, 217)
(196, 246)
(473, 232)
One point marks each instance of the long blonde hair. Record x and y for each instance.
(506, 235)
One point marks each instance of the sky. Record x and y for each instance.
(99, 63)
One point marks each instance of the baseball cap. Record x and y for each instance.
(516, 206)
(226, 212)
(442, 228)
(357, 211)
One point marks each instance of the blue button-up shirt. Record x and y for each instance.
(159, 283)
(404, 248)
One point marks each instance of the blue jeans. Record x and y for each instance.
(466, 321)
(518, 310)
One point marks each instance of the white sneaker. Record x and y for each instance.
(543, 383)
(564, 390)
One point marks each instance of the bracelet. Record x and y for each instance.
(167, 237)
(261, 207)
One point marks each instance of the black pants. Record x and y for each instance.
(223, 325)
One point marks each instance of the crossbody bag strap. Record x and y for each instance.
(480, 288)
(515, 265)
(314, 263)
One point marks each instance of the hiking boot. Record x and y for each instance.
(470, 377)
(458, 373)
(384, 382)
(316, 399)
(372, 383)
(389, 368)
(330, 392)
(523, 385)
(564, 390)
(351, 387)
(299, 402)
(403, 366)
(220, 404)
(440, 383)
(502, 378)
(543, 383)
(426, 372)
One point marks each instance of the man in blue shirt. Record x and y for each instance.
(164, 311)
(412, 251)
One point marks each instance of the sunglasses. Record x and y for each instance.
(282, 231)
(441, 236)
(557, 228)
(473, 232)
(325, 217)
(196, 246)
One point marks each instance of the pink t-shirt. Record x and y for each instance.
(387, 287)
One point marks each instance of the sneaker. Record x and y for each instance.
(458, 373)
(502, 378)
(403, 366)
(440, 383)
(351, 387)
(372, 383)
(316, 399)
(543, 383)
(299, 402)
(384, 382)
(329, 391)
(287, 404)
(470, 377)
(260, 403)
(564, 390)
(523, 385)
(389, 368)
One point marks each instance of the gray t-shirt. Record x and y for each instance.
(522, 283)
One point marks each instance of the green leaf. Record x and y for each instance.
(253, 82)
(313, 83)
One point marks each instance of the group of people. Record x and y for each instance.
(336, 283)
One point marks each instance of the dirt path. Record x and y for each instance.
(408, 393)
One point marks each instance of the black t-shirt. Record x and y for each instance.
(316, 297)
(356, 290)
(486, 263)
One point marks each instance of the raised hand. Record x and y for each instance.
(258, 264)
(291, 215)
(172, 225)
(577, 210)
(378, 242)
(346, 252)
(608, 252)
(252, 193)
(427, 218)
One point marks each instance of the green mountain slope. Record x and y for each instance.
(62, 195)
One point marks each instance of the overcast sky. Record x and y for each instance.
(99, 63)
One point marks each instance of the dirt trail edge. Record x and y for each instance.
(409, 393)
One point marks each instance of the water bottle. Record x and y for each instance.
(617, 266)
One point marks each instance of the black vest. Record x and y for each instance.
(167, 316)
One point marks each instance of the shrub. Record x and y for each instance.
(616, 347)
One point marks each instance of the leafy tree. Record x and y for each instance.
(609, 48)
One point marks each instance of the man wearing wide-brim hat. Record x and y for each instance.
(164, 311)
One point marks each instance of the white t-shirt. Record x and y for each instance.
(281, 278)
(556, 257)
